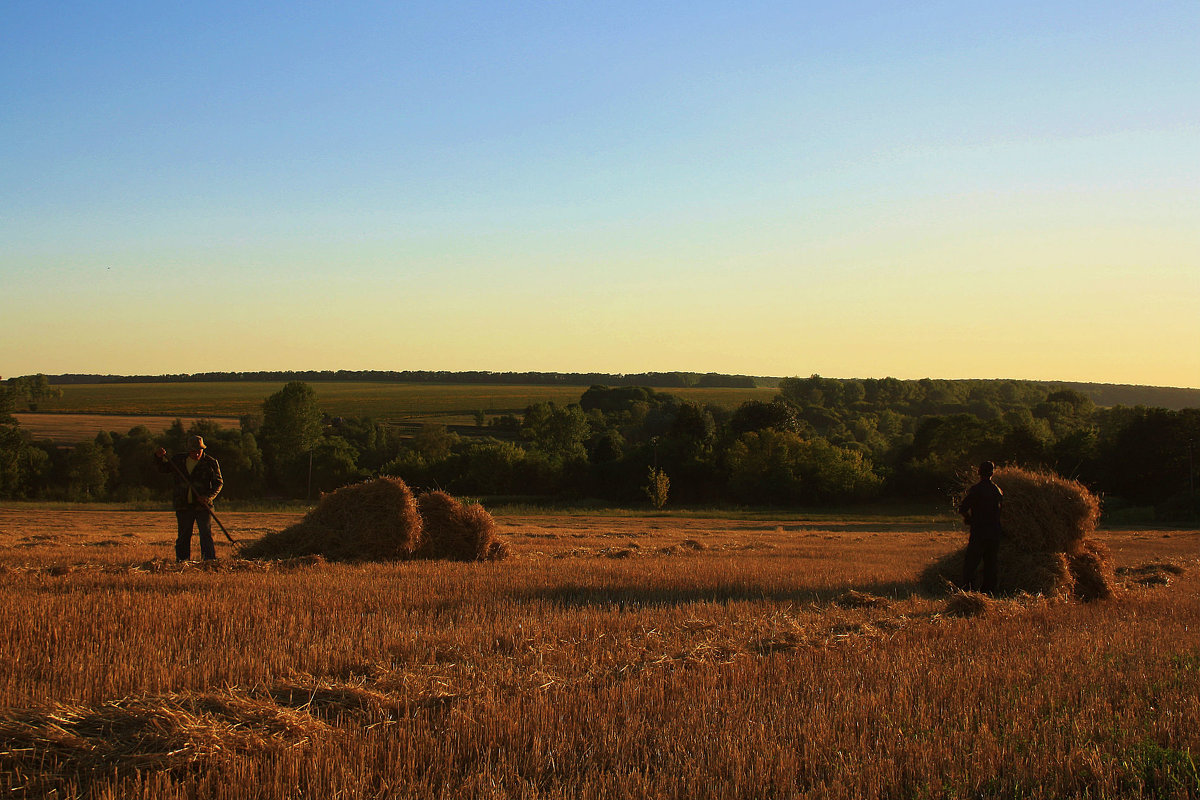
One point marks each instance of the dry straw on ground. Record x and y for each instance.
(1153, 573)
(381, 520)
(852, 598)
(1047, 520)
(67, 744)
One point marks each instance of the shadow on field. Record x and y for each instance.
(635, 597)
(834, 526)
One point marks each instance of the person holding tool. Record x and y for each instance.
(197, 484)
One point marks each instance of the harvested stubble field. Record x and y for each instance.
(72, 428)
(607, 657)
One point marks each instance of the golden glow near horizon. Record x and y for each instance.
(857, 194)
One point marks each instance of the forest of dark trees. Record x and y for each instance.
(1102, 394)
(820, 442)
(657, 379)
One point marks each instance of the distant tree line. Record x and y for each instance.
(658, 379)
(820, 442)
(1102, 394)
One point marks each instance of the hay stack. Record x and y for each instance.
(1045, 549)
(1045, 512)
(1035, 572)
(456, 531)
(381, 520)
(1092, 571)
(372, 521)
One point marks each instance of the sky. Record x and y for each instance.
(857, 189)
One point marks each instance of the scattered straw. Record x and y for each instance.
(1152, 573)
(853, 598)
(68, 744)
(336, 701)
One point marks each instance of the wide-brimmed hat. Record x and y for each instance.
(195, 443)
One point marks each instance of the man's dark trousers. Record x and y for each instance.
(983, 547)
(202, 519)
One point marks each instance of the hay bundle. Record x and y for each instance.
(456, 531)
(1045, 549)
(372, 521)
(1092, 571)
(1034, 572)
(1043, 511)
(968, 604)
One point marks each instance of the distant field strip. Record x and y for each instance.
(392, 401)
(70, 428)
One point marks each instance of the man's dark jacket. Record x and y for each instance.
(981, 508)
(205, 478)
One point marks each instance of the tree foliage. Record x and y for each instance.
(820, 442)
(33, 389)
(291, 428)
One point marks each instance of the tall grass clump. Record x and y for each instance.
(1047, 520)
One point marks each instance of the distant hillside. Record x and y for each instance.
(1115, 394)
(1102, 394)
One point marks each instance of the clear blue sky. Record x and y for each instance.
(958, 189)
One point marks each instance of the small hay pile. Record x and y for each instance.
(968, 604)
(1153, 573)
(1045, 550)
(381, 520)
(372, 521)
(458, 532)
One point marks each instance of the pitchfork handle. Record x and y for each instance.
(211, 512)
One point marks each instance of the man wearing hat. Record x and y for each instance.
(197, 484)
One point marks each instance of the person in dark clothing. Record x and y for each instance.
(197, 483)
(981, 510)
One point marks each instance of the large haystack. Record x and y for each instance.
(372, 521)
(1035, 572)
(381, 520)
(1045, 512)
(456, 531)
(1045, 549)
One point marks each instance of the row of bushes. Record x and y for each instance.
(820, 442)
